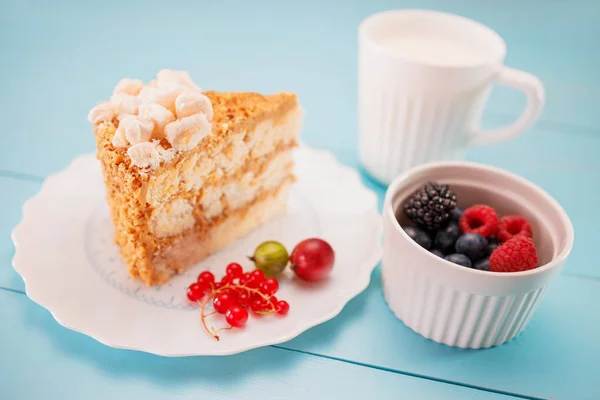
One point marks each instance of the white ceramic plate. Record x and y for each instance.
(66, 256)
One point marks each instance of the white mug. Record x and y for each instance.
(424, 78)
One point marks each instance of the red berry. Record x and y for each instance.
(236, 316)
(312, 259)
(229, 291)
(226, 280)
(234, 270)
(511, 226)
(243, 298)
(206, 286)
(244, 278)
(480, 219)
(195, 292)
(255, 296)
(282, 307)
(259, 305)
(256, 277)
(222, 302)
(514, 255)
(273, 300)
(269, 286)
(206, 276)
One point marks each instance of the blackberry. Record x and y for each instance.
(431, 206)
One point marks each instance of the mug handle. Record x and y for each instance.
(536, 96)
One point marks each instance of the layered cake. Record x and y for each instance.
(188, 171)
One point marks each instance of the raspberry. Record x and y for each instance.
(479, 219)
(511, 226)
(514, 255)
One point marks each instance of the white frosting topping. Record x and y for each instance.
(190, 103)
(166, 96)
(171, 106)
(187, 132)
(129, 86)
(136, 129)
(119, 139)
(125, 103)
(104, 111)
(159, 115)
(168, 78)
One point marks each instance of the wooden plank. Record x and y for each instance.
(557, 356)
(41, 359)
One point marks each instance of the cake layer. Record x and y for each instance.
(197, 170)
(201, 206)
(174, 255)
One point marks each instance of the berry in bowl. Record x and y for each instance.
(469, 251)
(475, 238)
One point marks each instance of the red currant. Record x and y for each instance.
(206, 276)
(244, 278)
(195, 292)
(219, 285)
(222, 302)
(226, 280)
(234, 270)
(256, 277)
(206, 286)
(269, 286)
(282, 307)
(236, 316)
(243, 298)
(258, 305)
(255, 296)
(230, 292)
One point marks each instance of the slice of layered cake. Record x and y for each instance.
(188, 172)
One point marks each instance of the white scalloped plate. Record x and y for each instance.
(66, 256)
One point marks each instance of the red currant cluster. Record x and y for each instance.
(234, 294)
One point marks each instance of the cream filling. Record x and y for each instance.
(188, 250)
(176, 216)
(172, 218)
(238, 150)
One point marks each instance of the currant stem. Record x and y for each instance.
(221, 329)
(214, 333)
(203, 316)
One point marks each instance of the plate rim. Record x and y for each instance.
(361, 283)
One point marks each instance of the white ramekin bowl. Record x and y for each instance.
(461, 306)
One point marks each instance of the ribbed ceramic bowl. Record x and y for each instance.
(461, 306)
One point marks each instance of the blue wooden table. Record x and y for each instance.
(57, 58)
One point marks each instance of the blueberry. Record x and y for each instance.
(419, 236)
(437, 253)
(456, 214)
(445, 237)
(483, 265)
(459, 259)
(472, 245)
